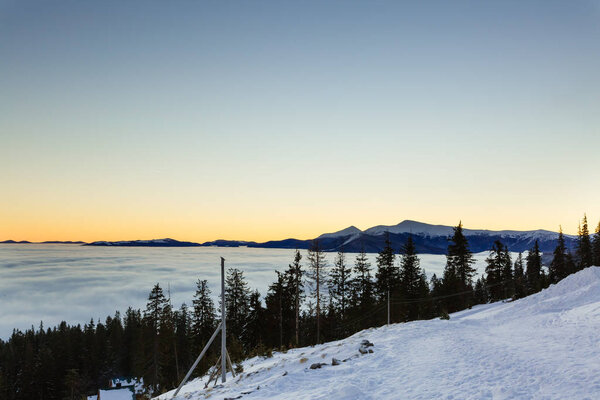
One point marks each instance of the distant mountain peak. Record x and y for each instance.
(351, 230)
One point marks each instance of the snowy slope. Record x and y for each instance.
(545, 346)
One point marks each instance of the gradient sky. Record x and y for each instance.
(265, 120)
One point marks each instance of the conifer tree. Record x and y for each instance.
(152, 318)
(167, 354)
(203, 323)
(596, 246)
(387, 278)
(236, 301)
(480, 294)
(558, 267)
(317, 277)
(494, 271)
(362, 290)
(203, 314)
(584, 245)
(458, 274)
(534, 269)
(411, 280)
(339, 285)
(519, 278)
(279, 304)
(294, 281)
(253, 335)
(183, 340)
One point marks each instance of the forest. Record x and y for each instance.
(312, 301)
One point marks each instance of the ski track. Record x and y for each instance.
(545, 346)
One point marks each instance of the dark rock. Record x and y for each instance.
(335, 361)
(317, 365)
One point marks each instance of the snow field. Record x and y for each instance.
(546, 346)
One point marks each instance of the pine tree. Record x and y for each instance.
(152, 318)
(279, 304)
(236, 301)
(339, 285)
(558, 267)
(499, 273)
(534, 269)
(519, 278)
(387, 278)
(294, 281)
(183, 342)
(317, 277)
(362, 291)
(458, 274)
(480, 294)
(253, 335)
(584, 245)
(203, 323)
(495, 271)
(596, 246)
(411, 280)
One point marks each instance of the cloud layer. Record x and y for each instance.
(52, 283)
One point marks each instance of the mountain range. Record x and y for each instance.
(428, 238)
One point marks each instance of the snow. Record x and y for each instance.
(351, 230)
(544, 346)
(408, 226)
(424, 229)
(116, 394)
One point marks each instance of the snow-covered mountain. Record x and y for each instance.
(145, 243)
(544, 346)
(428, 239)
(349, 231)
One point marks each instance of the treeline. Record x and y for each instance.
(310, 302)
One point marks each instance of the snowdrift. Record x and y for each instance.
(546, 346)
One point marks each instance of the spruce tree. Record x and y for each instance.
(317, 277)
(494, 271)
(411, 280)
(596, 246)
(279, 303)
(534, 269)
(203, 323)
(584, 245)
(558, 268)
(519, 278)
(294, 281)
(339, 285)
(480, 295)
(387, 277)
(253, 335)
(236, 301)
(458, 274)
(152, 320)
(362, 290)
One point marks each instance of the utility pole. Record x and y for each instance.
(280, 318)
(223, 326)
(388, 304)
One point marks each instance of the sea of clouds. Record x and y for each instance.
(72, 283)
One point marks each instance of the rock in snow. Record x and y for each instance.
(544, 346)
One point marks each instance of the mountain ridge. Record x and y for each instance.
(428, 238)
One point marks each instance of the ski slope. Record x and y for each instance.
(546, 346)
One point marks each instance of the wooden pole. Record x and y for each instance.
(223, 326)
(187, 376)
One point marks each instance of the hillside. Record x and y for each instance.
(542, 346)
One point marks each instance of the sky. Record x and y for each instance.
(265, 120)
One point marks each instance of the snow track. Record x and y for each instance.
(546, 346)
